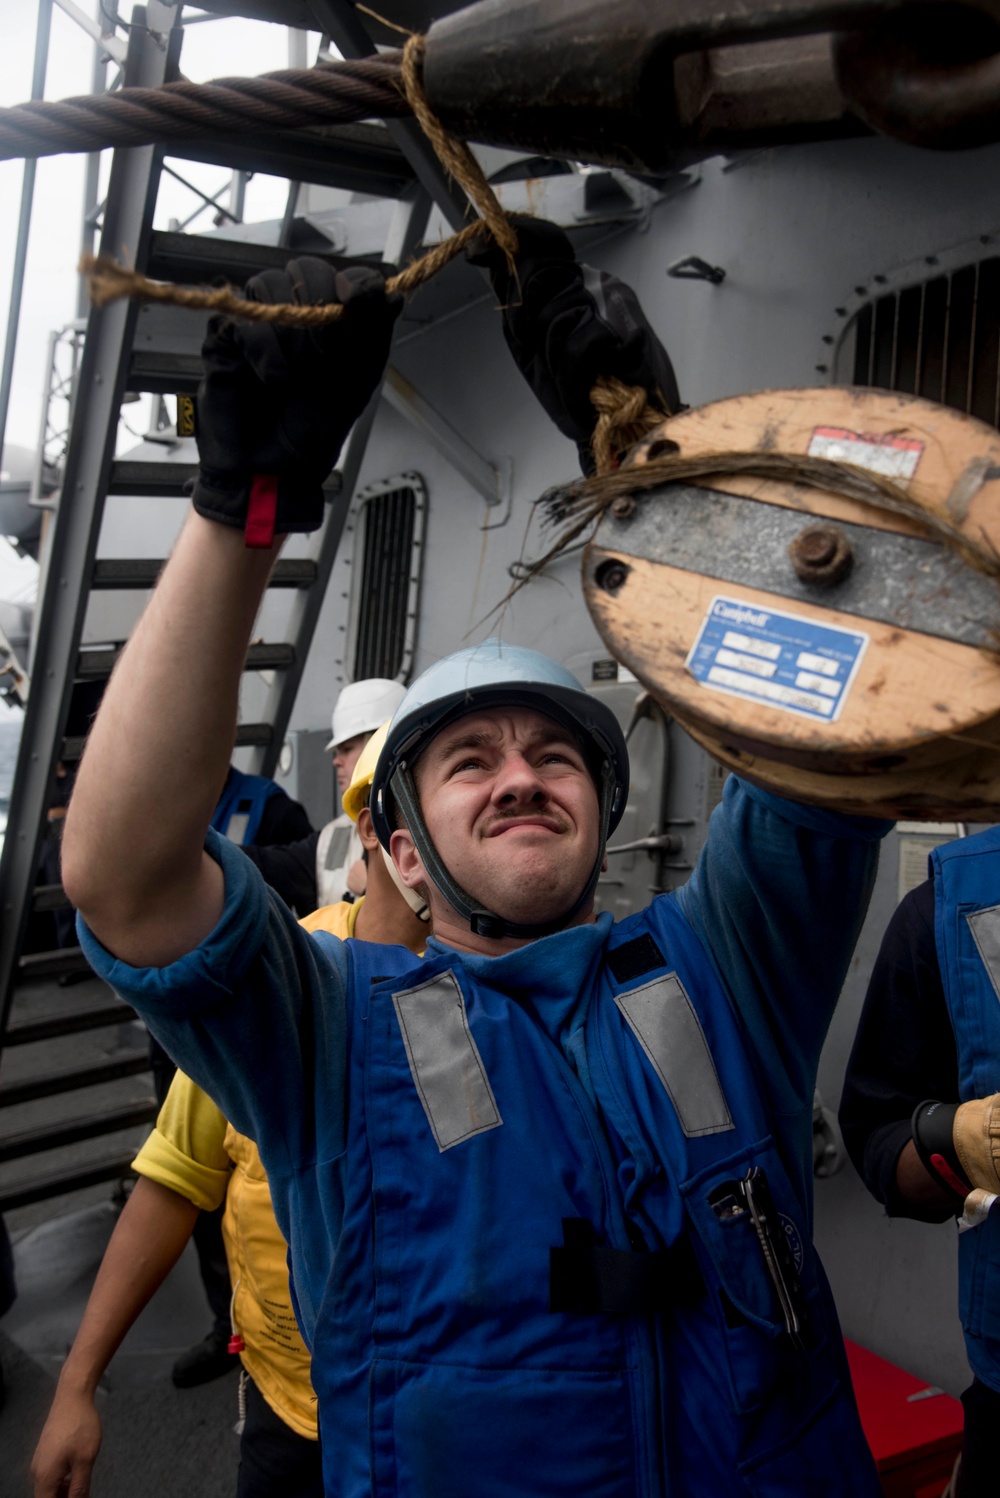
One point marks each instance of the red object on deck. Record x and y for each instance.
(914, 1435)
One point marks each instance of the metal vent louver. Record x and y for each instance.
(939, 339)
(386, 578)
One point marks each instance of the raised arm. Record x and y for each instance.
(778, 898)
(274, 408)
(133, 860)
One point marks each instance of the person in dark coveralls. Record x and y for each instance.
(547, 1189)
(920, 1110)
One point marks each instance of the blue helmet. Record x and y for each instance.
(494, 674)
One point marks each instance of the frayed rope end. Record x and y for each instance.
(107, 281)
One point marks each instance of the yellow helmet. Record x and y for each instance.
(353, 798)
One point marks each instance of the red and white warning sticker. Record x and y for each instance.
(895, 457)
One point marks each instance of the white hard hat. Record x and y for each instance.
(364, 706)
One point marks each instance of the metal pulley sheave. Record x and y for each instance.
(838, 652)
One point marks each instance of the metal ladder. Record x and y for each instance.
(159, 352)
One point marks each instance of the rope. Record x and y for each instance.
(329, 94)
(455, 155)
(624, 417)
(580, 506)
(624, 414)
(108, 281)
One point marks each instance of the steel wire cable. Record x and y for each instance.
(332, 93)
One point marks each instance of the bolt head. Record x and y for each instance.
(821, 555)
(611, 575)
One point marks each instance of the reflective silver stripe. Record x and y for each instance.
(446, 1067)
(662, 1019)
(236, 827)
(985, 928)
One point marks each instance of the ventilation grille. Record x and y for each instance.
(939, 339)
(386, 579)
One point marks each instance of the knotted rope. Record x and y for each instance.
(624, 413)
(624, 417)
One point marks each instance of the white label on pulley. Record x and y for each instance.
(779, 660)
(895, 457)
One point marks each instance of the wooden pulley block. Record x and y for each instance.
(833, 650)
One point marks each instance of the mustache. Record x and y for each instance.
(499, 818)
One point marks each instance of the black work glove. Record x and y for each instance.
(276, 402)
(567, 324)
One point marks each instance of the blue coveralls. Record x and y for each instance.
(966, 876)
(452, 1142)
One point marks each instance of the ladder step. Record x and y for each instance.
(197, 259)
(49, 897)
(248, 736)
(73, 1130)
(161, 480)
(51, 964)
(158, 372)
(50, 1085)
(59, 1182)
(266, 656)
(69, 1024)
(361, 157)
(254, 735)
(141, 572)
(97, 664)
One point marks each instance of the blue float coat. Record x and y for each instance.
(266, 1019)
(966, 876)
(248, 795)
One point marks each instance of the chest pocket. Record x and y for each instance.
(445, 1063)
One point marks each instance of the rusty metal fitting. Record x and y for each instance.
(623, 507)
(922, 82)
(821, 555)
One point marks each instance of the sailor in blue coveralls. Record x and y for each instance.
(547, 1190)
(921, 1104)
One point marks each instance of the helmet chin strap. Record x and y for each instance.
(484, 922)
(416, 901)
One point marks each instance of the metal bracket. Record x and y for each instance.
(897, 579)
(693, 268)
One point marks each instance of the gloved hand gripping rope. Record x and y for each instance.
(284, 384)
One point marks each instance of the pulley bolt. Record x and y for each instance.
(821, 555)
(611, 576)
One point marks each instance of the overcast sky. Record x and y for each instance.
(211, 50)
